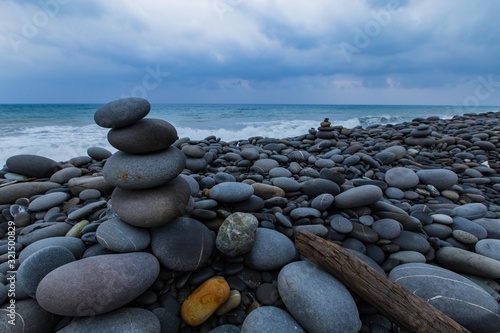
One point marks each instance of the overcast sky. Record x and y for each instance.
(251, 51)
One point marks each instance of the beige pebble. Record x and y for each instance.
(449, 194)
(232, 303)
(464, 237)
(76, 230)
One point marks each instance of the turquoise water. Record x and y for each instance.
(62, 131)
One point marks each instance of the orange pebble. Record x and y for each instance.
(204, 301)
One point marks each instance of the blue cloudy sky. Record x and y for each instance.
(251, 51)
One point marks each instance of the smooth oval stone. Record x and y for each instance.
(204, 301)
(464, 237)
(118, 236)
(270, 319)
(232, 303)
(75, 245)
(252, 204)
(64, 175)
(153, 207)
(266, 191)
(442, 219)
(341, 224)
(32, 165)
(122, 112)
(144, 171)
(29, 317)
(137, 320)
(231, 192)
(196, 164)
(492, 226)
(279, 172)
(316, 229)
(410, 241)
(438, 230)
(286, 184)
(98, 153)
(441, 179)
(89, 193)
(38, 231)
(39, 264)
(236, 234)
(387, 228)
(406, 257)
(78, 184)
(318, 301)
(271, 250)
(301, 212)
(86, 210)
(314, 187)
(456, 296)
(145, 136)
(460, 223)
(471, 211)
(9, 194)
(96, 285)
(489, 248)
(462, 261)
(263, 166)
(363, 233)
(250, 153)
(358, 196)
(194, 151)
(182, 245)
(322, 201)
(47, 201)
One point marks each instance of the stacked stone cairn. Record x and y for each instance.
(178, 235)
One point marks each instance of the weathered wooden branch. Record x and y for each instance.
(399, 305)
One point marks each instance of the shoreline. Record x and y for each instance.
(398, 194)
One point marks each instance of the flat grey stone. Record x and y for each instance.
(122, 112)
(454, 295)
(402, 178)
(48, 201)
(358, 196)
(132, 171)
(231, 192)
(64, 175)
(118, 236)
(78, 184)
(271, 250)
(270, 319)
(87, 210)
(38, 231)
(263, 166)
(322, 201)
(314, 187)
(387, 228)
(98, 153)
(411, 241)
(318, 301)
(75, 245)
(441, 179)
(152, 207)
(9, 194)
(96, 285)
(32, 165)
(137, 320)
(471, 211)
(145, 136)
(463, 261)
(489, 248)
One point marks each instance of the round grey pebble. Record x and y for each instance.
(387, 228)
(122, 112)
(231, 192)
(271, 250)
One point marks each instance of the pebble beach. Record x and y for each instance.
(176, 234)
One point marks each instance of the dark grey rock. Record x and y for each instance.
(118, 236)
(463, 261)
(152, 207)
(302, 212)
(441, 179)
(195, 151)
(182, 245)
(196, 164)
(270, 319)
(461, 223)
(279, 172)
(98, 153)
(316, 229)
(263, 166)
(236, 235)
(9, 194)
(454, 295)
(387, 228)
(32, 165)
(145, 136)
(341, 224)
(87, 210)
(75, 245)
(358, 196)
(122, 112)
(411, 241)
(250, 153)
(137, 320)
(271, 250)
(322, 201)
(64, 175)
(89, 194)
(48, 201)
(252, 204)
(226, 328)
(231, 192)
(471, 211)
(37, 231)
(36, 266)
(314, 187)
(318, 301)
(492, 226)
(405, 257)
(97, 285)
(135, 172)
(29, 317)
(286, 184)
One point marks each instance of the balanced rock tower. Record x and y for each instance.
(146, 168)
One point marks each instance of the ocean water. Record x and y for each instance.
(63, 131)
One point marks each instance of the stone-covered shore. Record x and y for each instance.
(173, 234)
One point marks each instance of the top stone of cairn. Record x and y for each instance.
(122, 112)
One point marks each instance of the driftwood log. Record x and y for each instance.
(403, 308)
